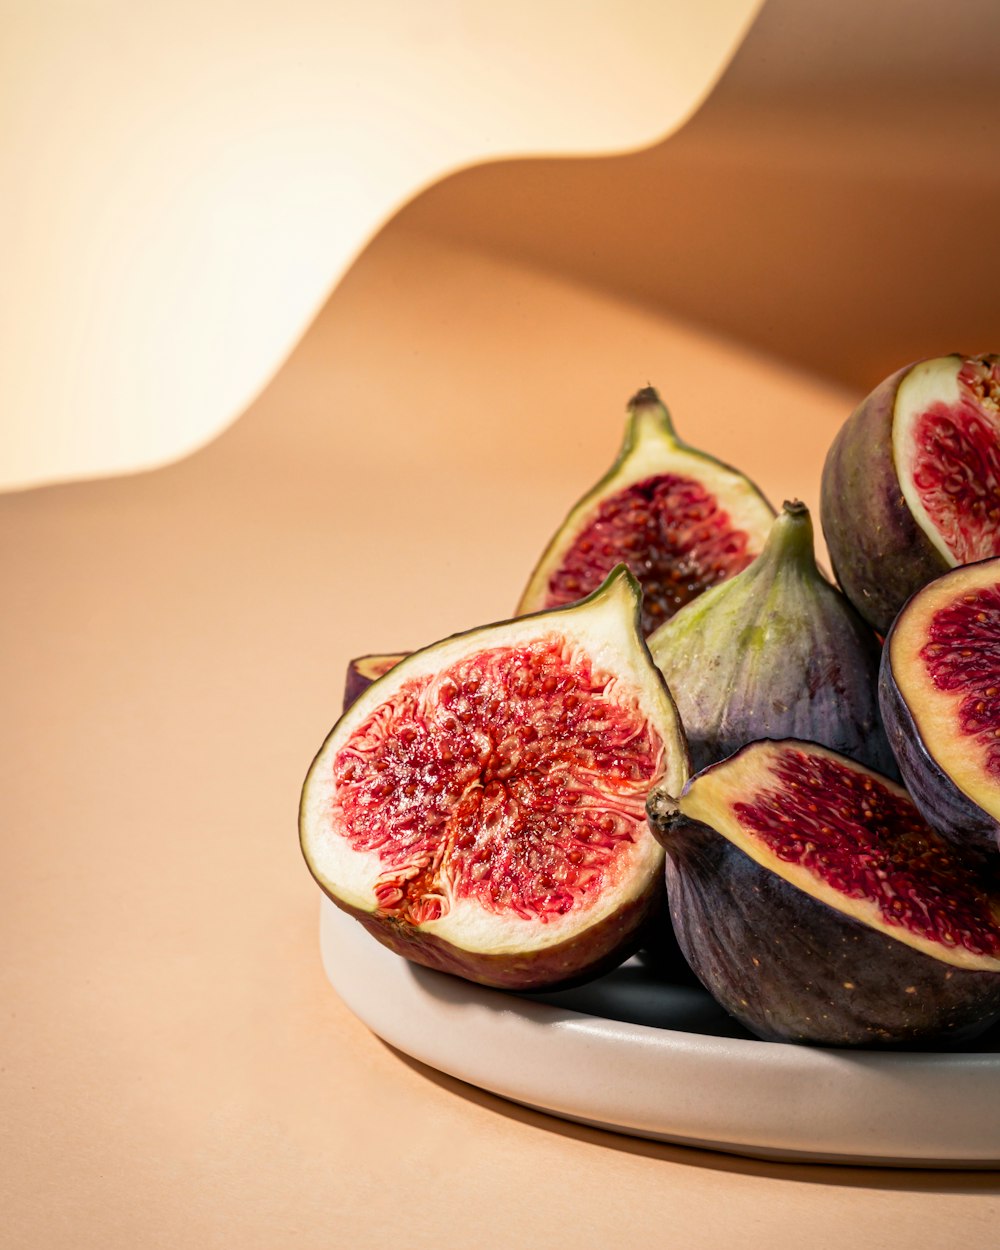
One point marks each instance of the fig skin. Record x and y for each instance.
(791, 968)
(939, 800)
(365, 669)
(775, 652)
(573, 962)
(879, 553)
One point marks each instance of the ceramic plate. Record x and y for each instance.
(631, 1054)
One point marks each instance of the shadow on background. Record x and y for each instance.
(902, 1180)
(834, 202)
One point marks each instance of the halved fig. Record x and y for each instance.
(362, 671)
(911, 485)
(680, 519)
(815, 903)
(774, 652)
(481, 807)
(940, 693)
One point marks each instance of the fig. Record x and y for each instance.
(939, 689)
(911, 485)
(362, 671)
(480, 808)
(680, 519)
(815, 903)
(774, 652)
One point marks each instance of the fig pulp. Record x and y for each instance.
(481, 807)
(774, 652)
(911, 485)
(816, 905)
(364, 670)
(940, 694)
(678, 518)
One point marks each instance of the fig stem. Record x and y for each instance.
(791, 537)
(647, 395)
(662, 812)
(647, 414)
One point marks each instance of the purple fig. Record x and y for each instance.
(481, 807)
(680, 519)
(940, 694)
(364, 670)
(816, 905)
(774, 652)
(911, 485)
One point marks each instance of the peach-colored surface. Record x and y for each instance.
(176, 1070)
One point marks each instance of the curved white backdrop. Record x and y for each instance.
(182, 184)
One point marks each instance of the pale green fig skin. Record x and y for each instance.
(775, 652)
(879, 553)
(591, 950)
(791, 968)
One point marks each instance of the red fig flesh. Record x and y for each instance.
(481, 807)
(680, 520)
(815, 903)
(940, 695)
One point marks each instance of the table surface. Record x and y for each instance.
(176, 1070)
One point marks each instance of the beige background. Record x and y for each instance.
(175, 1068)
(182, 182)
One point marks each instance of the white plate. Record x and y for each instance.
(631, 1054)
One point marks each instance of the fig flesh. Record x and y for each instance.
(362, 671)
(816, 905)
(940, 693)
(774, 652)
(911, 485)
(481, 807)
(680, 519)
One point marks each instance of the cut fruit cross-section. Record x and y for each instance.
(481, 807)
(681, 520)
(816, 904)
(940, 697)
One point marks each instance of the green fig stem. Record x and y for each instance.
(791, 538)
(647, 413)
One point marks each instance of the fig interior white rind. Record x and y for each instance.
(935, 712)
(712, 796)
(604, 627)
(929, 384)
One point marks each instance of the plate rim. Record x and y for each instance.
(801, 1103)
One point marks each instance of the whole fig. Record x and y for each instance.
(774, 652)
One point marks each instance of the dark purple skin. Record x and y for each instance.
(777, 959)
(880, 556)
(357, 680)
(580, 958)
(941, 803)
